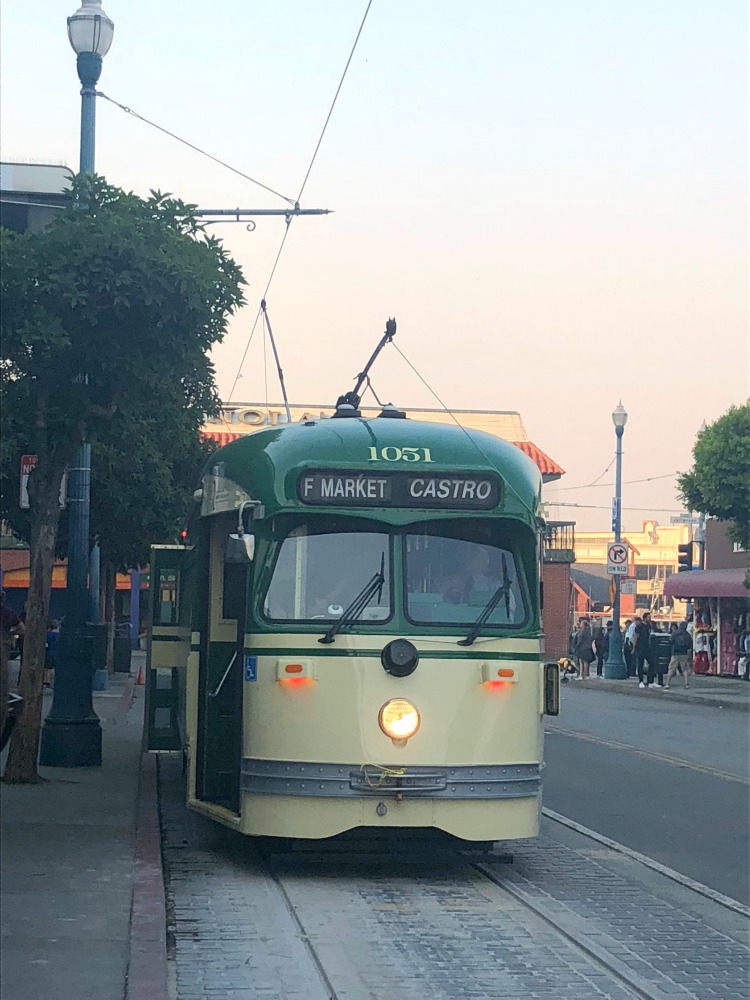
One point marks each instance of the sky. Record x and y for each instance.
(550, 196)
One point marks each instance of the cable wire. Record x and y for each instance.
(335, 98)
(461, 426)
(222, 163)
(628, 482)
(299, 196)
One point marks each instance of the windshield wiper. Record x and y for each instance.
(373, 586)
(502, 591)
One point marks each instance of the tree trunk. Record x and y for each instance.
(109, 612)
(24, 744)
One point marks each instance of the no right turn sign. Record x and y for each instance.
(617, 559)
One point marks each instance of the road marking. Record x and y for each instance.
(678, 761)
(699, 887)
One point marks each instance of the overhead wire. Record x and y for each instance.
(458, 423)
(628, 482)
(190, 145)
(301, 190)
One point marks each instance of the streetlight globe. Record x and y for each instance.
(619, 415)
(90, 29)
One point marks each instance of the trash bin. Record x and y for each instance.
(661, 646)
(122, 649)
(95, 645)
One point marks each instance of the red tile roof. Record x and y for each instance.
(543, 462)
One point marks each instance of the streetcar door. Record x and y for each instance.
(168, 646)
(219, 742)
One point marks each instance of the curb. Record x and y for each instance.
(712, 701)
(147, 963)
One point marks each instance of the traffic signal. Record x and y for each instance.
(183, 537)
(684, 557)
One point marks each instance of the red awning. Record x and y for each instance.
(707, 583)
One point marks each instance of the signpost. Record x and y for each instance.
(628, 585)
(691, 519)
(617, 559)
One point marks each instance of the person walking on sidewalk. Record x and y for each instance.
(682, 654)
(642, 649)
(601, 647)
(584, 649)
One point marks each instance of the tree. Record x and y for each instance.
(119, 298)
(719, 481)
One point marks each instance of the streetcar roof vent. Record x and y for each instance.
(346, 410)
(392, 412)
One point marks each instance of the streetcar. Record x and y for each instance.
(351, 637)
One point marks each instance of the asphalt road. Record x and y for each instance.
(669, 780)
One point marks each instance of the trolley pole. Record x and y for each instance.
(72, 732)
(615, 667)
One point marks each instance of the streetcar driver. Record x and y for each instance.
(474, 575)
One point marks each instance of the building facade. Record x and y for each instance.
(653, 560)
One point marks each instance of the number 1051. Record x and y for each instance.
(393, 454)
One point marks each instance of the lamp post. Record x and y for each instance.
(615, 668)
(72, 735)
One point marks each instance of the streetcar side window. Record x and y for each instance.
(316, 576)
(451, 578)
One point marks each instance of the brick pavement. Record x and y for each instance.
(407, 928)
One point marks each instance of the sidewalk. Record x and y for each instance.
(705, 689)
(79, 864)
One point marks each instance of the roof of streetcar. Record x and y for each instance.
(268, 463)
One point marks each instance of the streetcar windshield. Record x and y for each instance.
(451, 577)
(316, 575)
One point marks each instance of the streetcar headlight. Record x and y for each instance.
(399, 719)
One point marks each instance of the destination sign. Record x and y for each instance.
(458, 491)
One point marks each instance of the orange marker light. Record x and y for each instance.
(506, 672)
(294, 668)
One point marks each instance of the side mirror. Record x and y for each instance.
(551, 689)
(240, 549)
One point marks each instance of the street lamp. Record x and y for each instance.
(615, 668)
(72, 733)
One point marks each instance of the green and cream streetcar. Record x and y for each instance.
(355, 632)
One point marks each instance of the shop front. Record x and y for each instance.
(721, 617)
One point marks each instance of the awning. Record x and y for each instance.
(707, 583)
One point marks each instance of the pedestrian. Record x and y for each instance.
(642, 649)
(584, 649)
(681, 650)
(601, 647)
(627, 647)
(53, 634)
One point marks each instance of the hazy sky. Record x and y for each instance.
(549, 195)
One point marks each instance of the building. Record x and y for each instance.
(653, 560)
(31, 194)
(721, 600)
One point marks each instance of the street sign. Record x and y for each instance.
(29, 462)
(685, 519)
(617, 559)
(628, 585)
(615, 511)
